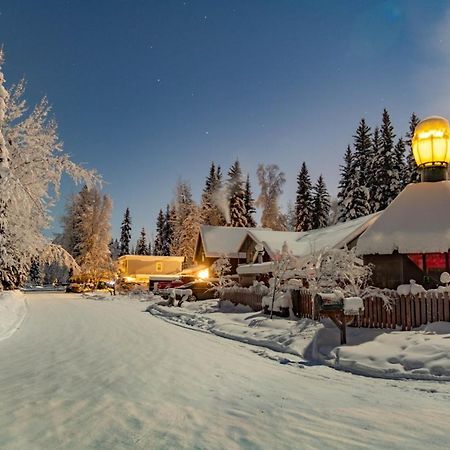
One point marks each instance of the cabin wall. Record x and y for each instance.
(389, 271)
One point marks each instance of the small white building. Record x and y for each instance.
(138, 268)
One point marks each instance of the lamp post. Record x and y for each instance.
(431, 148)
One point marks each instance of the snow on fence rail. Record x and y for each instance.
(242, 296)
(407, 311)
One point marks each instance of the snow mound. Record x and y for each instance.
(12, 312)
(420, 354)
(239, 323)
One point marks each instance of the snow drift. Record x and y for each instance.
(12, 312)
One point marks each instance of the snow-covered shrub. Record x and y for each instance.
(259, 288)
(336, 269)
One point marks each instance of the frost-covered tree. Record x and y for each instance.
(304, 201)
(94, 256)
(114, 248)
(236, 196)
(159, 239)
(125, 234)
(141, 245)
(32, 162)
(186, 223)
(321, 202)
(249, 203)
(412, 174)
(188, 234)
(290, 217)
(271, 181)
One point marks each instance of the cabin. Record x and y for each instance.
(411, 238)
(216, 242)
(138, 268)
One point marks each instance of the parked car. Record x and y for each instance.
(201, 290)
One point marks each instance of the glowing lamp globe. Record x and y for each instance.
(431, 148)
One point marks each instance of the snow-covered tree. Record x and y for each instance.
(372, 172)
(412, 174)
(362, 145)
(188, 234)
(335, 269)
(35, 275)
(249, 204)
(32, 163)
(304, 200)
(210, 211)
(186, 223)
(271, 181)
(344, 193)
(125, 234)
(236, 196)
(221, 268)
(386, 172)
(94, 256)
(353, 197)
(399, 181)
(321, 202)
(290, 217)
(114, 248)
(141, 245)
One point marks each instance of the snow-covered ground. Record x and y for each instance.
(12, 312)
(420, 354)
(100, 373)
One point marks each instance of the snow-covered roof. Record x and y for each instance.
(257, 268)
(305, 243)
(222, 241)
(417, 221)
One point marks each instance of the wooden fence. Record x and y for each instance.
(242, 296)
(405, 311)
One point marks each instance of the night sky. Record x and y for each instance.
(151, 91)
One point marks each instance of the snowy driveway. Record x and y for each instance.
(86, 374)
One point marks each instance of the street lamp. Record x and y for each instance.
(431, 148)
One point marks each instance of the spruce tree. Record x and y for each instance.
(210, 212)
(372, 172)
(362, 145)
(35, 272)
(158, 247)
(321, 202)
(167, 233)
(398, 180)
(412, 174)
(141, 245)
(386, 161)
(344, 192)
(304, 201)
(353, 198)
(125, 234)
(249, 204)
(236, 196)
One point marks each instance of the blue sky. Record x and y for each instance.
(151, 91)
